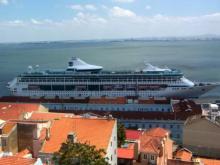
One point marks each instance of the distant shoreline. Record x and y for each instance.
(190, 38)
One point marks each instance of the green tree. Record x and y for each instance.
(121, 134)
(79, 154)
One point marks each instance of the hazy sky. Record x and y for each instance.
(35, 20)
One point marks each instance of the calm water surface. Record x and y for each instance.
(198, 60)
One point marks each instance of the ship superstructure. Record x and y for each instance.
(85, 80)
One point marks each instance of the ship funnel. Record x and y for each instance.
(30, 69)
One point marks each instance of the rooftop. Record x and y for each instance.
(133, 134)
(184, 155)
(15, 160)
(93, 131)
(150, 141)
(9, 111)
(49, 116)
(207, 161)
(157, 132)
(127, 152)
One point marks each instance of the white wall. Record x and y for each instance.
(112, 147)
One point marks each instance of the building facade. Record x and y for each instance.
(201, 135)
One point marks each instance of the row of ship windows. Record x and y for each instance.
(100, 89)
(86, 80)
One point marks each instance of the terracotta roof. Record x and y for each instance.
(93, 131)
(14, 160)
(157, 132)
(48, 116)
(184, 154)
(15, 110)
(210, 161)
(133, 134)
(150, 145)
(126, 153)
(150, 140)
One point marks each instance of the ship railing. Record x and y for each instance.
(124, 81)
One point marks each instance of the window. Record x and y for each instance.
(4, 143)
(177, 136)
(152, 157)
(145, 156)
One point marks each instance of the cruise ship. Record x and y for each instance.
(81, 79)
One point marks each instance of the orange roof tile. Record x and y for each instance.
(157, 132)
(150, 140)
(93, 131)
(15, 110)
(150, 145)
(47, 115)
(14, 160)
(210, 161)
(133, 134)
(184, 154)
(126, 153)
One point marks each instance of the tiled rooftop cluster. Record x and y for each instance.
(43, 132)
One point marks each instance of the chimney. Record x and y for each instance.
(71, 137)
(48, 134)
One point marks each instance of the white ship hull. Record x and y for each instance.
(85, 80)
(192, 92)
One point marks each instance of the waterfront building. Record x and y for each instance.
(132, 112)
